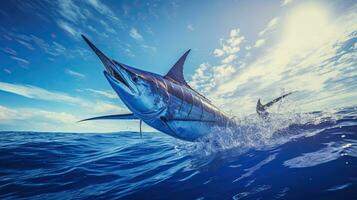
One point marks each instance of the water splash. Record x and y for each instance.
(254, 132)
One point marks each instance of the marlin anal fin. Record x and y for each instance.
(176, 71)
(129, 116)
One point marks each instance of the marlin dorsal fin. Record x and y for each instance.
(176, 72)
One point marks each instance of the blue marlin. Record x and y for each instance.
(166, 103)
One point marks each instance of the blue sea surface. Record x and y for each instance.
(305, 156)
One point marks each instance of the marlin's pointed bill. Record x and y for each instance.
(108, 64)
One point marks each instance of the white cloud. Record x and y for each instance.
(36, 117)
(58, 117)
(58, 47)
(6, 70)
(9, 51)
(75, 16)
(129, 52)
(229, 59)
(74, 73)
(24, 118)
(207, 77)
(103, 9)
(259, 43)
(152, 48)
(149, 30)
(34, 92)
(7, 114)
(270, 26)
(285, 2)
(29, 41)
(20, 60)
(218, 52)
(105, 107)
(70, 11)
(26, 44)
(53, 49)
(107, 27)
(231, 45)
(190, 27)
(108, 94)
(222, 71)
(74, 32)
(135, 34)
(45, 120)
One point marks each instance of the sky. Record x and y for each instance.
(240, 51)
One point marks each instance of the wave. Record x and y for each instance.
(289, 156)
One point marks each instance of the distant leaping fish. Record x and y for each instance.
(262, 109)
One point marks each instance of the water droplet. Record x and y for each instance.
(345, 146)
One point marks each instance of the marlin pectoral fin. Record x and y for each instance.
(118, 116)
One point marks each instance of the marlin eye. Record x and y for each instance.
(135, 78)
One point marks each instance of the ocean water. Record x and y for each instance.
(295, 156)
